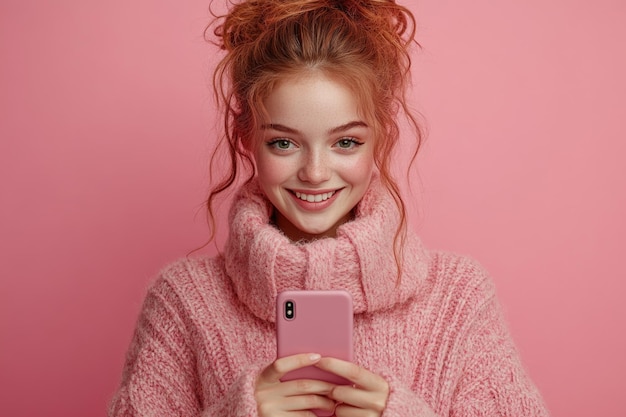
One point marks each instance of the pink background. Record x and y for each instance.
(106, 119)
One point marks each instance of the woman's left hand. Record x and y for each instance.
(368, 396)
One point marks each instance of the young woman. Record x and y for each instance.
(312, 91)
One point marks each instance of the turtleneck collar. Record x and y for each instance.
(261, 261)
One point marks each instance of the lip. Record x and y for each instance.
(314, 205)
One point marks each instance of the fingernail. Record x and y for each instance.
(315, 357)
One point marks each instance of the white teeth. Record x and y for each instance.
(314, 198)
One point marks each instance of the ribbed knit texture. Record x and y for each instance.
(437, 335)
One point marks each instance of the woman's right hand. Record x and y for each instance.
(291, 398)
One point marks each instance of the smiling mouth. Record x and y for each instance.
(314, 198)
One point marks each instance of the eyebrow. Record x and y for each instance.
(334, 130)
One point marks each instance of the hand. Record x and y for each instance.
(368, 397)
(291, 398)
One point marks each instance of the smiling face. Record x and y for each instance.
(314, 156)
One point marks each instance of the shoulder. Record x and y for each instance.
(458, 283)
(187, 283)
(188, 272)
(456, 267)
(191, 269)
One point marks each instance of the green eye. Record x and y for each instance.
(347, 143)
(281, 144)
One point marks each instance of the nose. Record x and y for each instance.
(315, 168)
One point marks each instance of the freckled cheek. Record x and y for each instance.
(272, 170)
(359, 170)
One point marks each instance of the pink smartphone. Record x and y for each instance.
(315, 322)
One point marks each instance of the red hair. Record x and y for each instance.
(364, 44)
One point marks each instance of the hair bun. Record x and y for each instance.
(379, 15)
(247, 20)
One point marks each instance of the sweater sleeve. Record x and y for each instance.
(239, 401)
(481, 373)
(404, 402)
(160, 376)
(494, 382)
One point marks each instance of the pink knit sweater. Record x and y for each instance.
(437, 336)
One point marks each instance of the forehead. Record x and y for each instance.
(312, 99)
